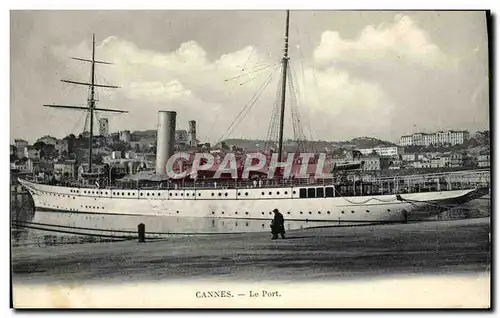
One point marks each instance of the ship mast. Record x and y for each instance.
(284, 62)
(91, 102)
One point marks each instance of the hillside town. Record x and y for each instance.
(123, 153)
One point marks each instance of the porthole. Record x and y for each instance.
(142, 194)
(199, 194)
(342, 212)
(176, 194)
(246, 193)
(270, 213)
(182, 194)
(222, 212)
(225, 194)
(213, 212)
(212, 194)
(288, 213)
(327, 212)
(177, 212)
(128, 193)
(220, 194)
(286, 192)
(170, 194)
(301, 212)
(270, 193)
(246, 213)
(236, 213)
(319, 212)
(367, 211)
(352, 211)
(262, 225)
(263, 193)
(187, 194)
(158, 193)
(388, 210)
(238, 193)
(123, 193)
(262, 213)
(147, 194)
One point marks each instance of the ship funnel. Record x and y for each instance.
(165, 140)
(192, 133)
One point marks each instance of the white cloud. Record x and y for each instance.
(187, 81)
(157, 91)
(399, 40)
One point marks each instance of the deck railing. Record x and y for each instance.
(359, 184)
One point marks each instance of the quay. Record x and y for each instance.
(360, 252)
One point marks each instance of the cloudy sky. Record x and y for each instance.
(359, 73)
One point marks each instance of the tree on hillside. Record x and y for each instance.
(39, 145)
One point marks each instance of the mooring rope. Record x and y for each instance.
(365, 201)
(42, 226)
(442, 206)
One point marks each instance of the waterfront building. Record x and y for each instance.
(452, 137)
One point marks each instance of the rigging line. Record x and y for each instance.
(296, 122)
(256, 76)
(253, 99)
(272, 132)
(219, 112)
(259, 92)
(247, 108)
(315, 81)
(78, 122)
(256, 65)
(248, 103)
(248, 59)
(247, 73)
(87, 114)
(293, 101)
(303, 95)
(97, 120)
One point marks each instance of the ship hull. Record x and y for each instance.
(247, 205)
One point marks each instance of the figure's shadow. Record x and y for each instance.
(296, 237)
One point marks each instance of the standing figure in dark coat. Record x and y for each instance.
(278, 225)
